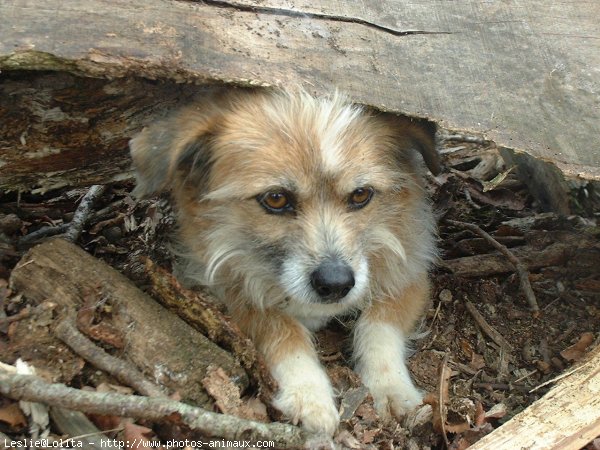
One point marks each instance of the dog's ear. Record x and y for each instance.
(173, 152)
(419, 135)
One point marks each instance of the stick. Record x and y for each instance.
(557, 378)
(82, 213)
(42, 233)
(67, 332)
(31, 388)
(156, 341)
(23, 314)
(520, 268)
(443, 396)
(487, 328)
(204, 316)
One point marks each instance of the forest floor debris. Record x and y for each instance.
(496, 358)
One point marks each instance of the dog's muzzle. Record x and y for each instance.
(332, 280)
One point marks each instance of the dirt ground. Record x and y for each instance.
(482, 377)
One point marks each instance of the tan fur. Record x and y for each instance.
(218, 158)
(403, 311)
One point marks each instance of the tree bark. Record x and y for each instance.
(160, 344)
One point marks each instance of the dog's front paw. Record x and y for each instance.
(310, 405)
(395, 399)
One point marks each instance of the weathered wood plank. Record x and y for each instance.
(567, 417)
(527, 75)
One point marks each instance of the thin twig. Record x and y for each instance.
(501, 387)
(519, 266)
(559, 377)
(23, 314)
(43, 232)
(443, 394)
(487, 328)
(470, 199)
(67, 332)
(156, 409)
(82, 214)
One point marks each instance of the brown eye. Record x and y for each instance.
(360, 197)
(275, 202)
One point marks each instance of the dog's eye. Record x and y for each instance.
(275, 202)
(360, 197)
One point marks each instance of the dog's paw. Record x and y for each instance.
(395, 400)
(310, 405)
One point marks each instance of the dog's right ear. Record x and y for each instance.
(173, 152)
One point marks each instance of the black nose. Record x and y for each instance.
(332, 280)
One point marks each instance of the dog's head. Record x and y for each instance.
(293, 198)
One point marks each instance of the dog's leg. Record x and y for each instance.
(380, 349)
(305, 393)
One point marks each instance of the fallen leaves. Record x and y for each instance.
(227, 396)
(576, 351)
(12, 416)
(459, 416)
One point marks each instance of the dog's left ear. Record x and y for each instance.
(419, 135)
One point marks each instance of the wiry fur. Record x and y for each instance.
(219, 156)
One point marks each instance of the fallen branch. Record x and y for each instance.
(31, 388)
(82, 214)
(160, 344)
(43, 232)
(487, 328)
(520, 268)
(23, 314)
(67, 332)
(203, 315)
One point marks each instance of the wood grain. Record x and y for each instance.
(567, 417)
(523, 74)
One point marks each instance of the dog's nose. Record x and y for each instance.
(332, 280)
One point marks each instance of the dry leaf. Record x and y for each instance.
(351, 400)
(256, 410)
(577, 350)
(367, 413)
(496, 412)
(496, 181)
(13, 416)
(477, 361)
(369, 435)
(220, 387)
(227, 396)
(466, 347)
(347, 440)
(471, 436)
(479, 414)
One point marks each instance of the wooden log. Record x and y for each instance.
(59, 130)
(395, 55)
(496, 263)
(575, 253)
(567, 417)
(160, 344)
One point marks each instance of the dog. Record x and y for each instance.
(295, 209)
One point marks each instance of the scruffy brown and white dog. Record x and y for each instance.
(294, 210)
